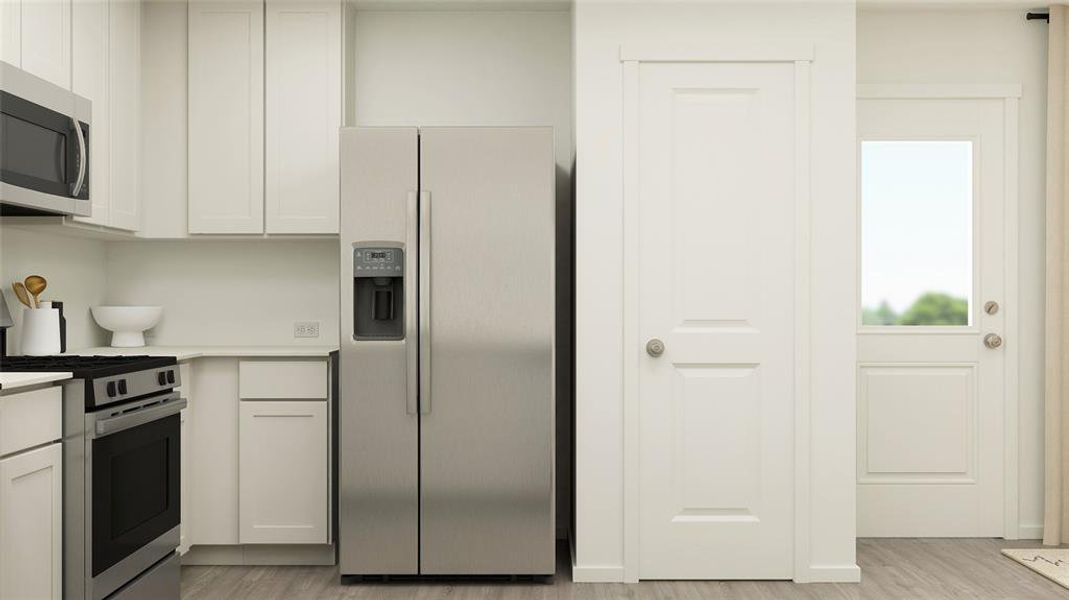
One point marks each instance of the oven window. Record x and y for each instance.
(136, 489)
(37, 151)
(32, 150)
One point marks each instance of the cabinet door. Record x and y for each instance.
(89, 75)
(31, 524)
(46, 40)
(303, 116)
(11, 32)
(184, 471)
(283, 485)
(226, 97)
(124, 78)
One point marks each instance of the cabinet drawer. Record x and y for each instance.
(282, 380)
(30, 419)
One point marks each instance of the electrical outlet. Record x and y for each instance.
(306, 329)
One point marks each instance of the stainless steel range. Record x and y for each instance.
(121, 461)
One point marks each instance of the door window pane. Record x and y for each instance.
(916, 233)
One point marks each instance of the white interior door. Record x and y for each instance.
(716, 230)
(931, 393)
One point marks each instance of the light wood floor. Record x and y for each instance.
(901, 569)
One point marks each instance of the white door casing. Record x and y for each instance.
(937, 411)
(716, 251)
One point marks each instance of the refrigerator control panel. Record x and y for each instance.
(378, 262)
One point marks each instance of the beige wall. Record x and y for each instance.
(76, 274)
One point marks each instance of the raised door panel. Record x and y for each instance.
(715, 281)
(125, 100)
(46, 40)
(226, 96)
(11, 32)
(303, 116)
(284, 487)
(90, 79)
(31, 524)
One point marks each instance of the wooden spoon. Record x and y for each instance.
(21, 294)
(35, 285)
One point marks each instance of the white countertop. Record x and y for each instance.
(12, 381)
(190, 352)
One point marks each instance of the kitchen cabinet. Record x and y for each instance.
(260, 455)
(264, 112)
(124, 82)
(303, 104)
(283, 486)
(185, 375)
(45, 40)
(107, 71)
(31, 494)
(226, 107)
(11, 32)
(31, 523)
(90, 79)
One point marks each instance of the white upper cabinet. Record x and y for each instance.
(226, 107)
(90, 79)
(303, 116)
(124, 81)
(46, 39)
(11, 32)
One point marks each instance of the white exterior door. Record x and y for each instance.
(715, 266)
(931, 393)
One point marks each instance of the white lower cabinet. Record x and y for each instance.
(31, 524)
(185, 375)
(283, 474)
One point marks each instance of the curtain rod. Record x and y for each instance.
(1038, 17)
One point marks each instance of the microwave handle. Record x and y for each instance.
(81, 158)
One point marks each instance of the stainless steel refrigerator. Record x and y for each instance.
(446, 368)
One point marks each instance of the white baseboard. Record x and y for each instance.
(256, 554)
(1030, 532)
(594, 574)
(834, 574)
(597, 574)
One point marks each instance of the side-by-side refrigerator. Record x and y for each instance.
(446, 368)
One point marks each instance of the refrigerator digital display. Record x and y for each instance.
(379, 256)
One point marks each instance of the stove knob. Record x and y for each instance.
(122, 386)
(111, 389)
(170, 376)
(161, 377)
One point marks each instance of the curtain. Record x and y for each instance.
(1056, 413)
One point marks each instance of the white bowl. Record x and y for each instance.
(127, 323)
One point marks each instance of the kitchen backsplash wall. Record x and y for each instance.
(229, 292)
(76, 274)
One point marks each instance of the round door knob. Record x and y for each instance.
(655, 347)
(993, 340)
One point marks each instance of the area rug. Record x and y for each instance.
(1052, 563)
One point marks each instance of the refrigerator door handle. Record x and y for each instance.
(425, 302)
(411, 331)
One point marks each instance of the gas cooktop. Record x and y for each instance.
(85, 367)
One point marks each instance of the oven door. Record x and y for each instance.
(134, 510)
(44, 147)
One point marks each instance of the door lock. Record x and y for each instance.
(991, 307)
(993, 341)
(655, 347)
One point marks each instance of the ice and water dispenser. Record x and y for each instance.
(378, 293)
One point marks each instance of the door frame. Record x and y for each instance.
(1010, 95)
(631, 58)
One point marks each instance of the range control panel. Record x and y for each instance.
(378, 262)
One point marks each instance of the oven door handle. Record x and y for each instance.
(77, 189)
(105, 427)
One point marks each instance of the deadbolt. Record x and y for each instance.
(655, 347)
(991, 307)
(993, 340)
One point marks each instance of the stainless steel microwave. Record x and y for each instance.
(44, 147)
